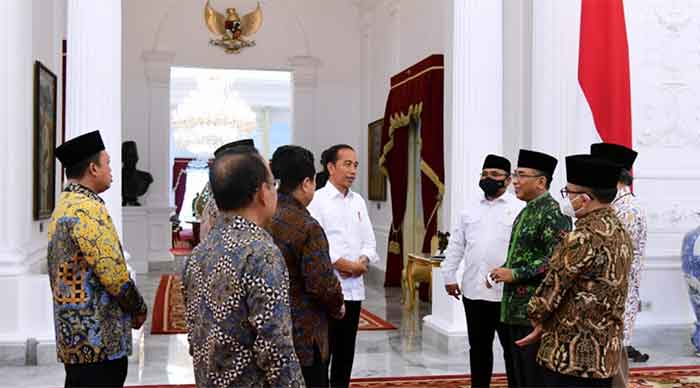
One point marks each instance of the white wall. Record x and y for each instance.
(665, 84)
(396, 34)
(326, 30)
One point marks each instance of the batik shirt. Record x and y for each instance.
(94, 299)
(210, 212)
(581, 301)
(629, 211)
(537, 230)
(315, 292)
(236, 291)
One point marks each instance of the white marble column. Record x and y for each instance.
(556, 96)
(159, 200)
(94, 83)
(16, 120)
(474, 96)
(305, 82)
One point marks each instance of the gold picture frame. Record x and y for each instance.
(45, 104)
(377, 180)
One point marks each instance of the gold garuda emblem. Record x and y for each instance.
(230, 30)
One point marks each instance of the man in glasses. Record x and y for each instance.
(480, 240)
(539, 227)
(236, 284)
(210, 211)
(578, 310)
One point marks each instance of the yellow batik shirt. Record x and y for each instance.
(94, 298)
(581, 301)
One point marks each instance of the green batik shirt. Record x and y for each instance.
(537, 230)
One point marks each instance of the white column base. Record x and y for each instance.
(159, 233)
(27, 312)
(446, 327)
(147, 235)
(135, 221)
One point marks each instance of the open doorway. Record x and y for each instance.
(212, 107)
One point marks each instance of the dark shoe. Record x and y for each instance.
(635, 355)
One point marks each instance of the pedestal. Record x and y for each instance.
(136, 237)
(159, 233)
(27, 313)
(446, 327)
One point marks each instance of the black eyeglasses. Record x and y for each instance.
(565, 192)
(517, 175)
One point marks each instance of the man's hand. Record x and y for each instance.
(502, 275)
(531, 338)
(453, 290)
(364, 260)
(341, 314)
(137, 321)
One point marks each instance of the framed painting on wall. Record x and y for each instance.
(45, 105)
(377, 180)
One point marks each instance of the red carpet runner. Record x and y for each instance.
(169, 310)
(666, 377)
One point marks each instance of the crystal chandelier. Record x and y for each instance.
(210, 116)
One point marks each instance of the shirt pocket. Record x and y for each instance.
(334, 222)
(471, 223)
(505, 224)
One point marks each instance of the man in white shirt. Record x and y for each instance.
(481, 241)
(343, 215)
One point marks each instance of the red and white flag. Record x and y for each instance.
(604, 74)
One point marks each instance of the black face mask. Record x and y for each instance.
(491, 186)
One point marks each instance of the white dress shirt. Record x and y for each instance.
(481, 240)
(349, 231)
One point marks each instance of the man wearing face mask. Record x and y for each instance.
(480, 241)
(539, 228)
(578, 310)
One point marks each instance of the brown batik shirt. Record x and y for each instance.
(581, 302)
(314, 291)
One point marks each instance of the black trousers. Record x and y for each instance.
(342, 344)
(316, 375)
(524, 369)
(483, 321)
(100, 374)
(555, 379)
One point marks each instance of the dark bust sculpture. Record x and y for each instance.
(134, 182)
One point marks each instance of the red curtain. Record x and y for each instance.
(180, 181)
(416, 95)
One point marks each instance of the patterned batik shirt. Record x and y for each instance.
(210, 212)
(236, 290)
(94, 299)
(314, 290)
(537, 230)
(629, 211)
(581, 301)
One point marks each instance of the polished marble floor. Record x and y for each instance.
(165, 360)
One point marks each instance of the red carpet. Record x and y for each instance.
(169, 310)
(662, 377)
